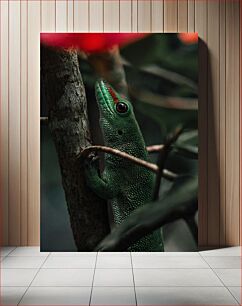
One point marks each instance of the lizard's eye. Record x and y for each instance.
(121, 107)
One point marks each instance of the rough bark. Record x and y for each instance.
(68, 123)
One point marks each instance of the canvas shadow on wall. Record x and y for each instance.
(135, 95)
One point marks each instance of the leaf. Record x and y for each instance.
(179, 202)
(189, 137)
(160, 72)
(169, 102)
(165, 51)
(187, 151)
(187, 144)
(181, 164)
(168, 119)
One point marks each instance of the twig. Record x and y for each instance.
(44, 119)
(155, 148)
(151, 149)
(170, 176)
(118, 153)
(165, 173)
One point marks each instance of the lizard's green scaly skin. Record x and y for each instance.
(125, 184)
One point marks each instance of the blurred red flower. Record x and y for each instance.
(188, 38)
(89, 42)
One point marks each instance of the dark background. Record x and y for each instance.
(173, 72)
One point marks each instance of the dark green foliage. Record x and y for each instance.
(179, 202)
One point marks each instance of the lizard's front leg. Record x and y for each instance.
(98, 184)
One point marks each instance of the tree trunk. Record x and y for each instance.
(68, 123)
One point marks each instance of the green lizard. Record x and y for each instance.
(125, 184)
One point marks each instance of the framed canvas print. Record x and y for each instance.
(119, 142)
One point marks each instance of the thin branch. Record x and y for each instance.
(170, 176)
(155, 148)
(166, 173)
(44, 119)
(151, 149)
(118, 153)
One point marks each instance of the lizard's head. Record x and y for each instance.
(117, 120)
